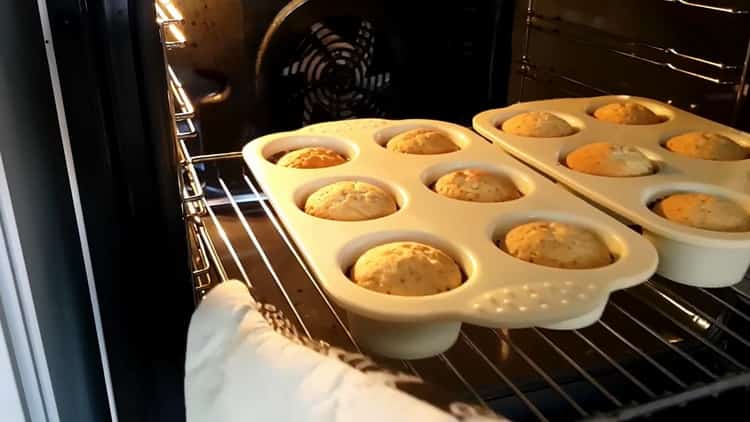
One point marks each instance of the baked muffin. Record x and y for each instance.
(421, 141)
(704, 211)
(350, 201)
(311, 158)
(559, 245)
(406, 269)
(477, 186)
(538, 124)
(627, 113)
(706, 146)
(605, 159)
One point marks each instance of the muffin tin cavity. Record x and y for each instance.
(522, 183)
(655, 159)
(630, 198)
(384, 135)
(574, 121)
(653, 195)
(741, 139)
(305, 190)
(273, 151)
(419, 326)
(350, 252)
(616, 246)
(664, 112)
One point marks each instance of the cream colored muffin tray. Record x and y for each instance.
(687, 255)
(499, 290)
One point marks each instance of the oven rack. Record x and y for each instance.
(628, 48)
(692, 345)
(731, 76)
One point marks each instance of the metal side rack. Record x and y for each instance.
(726, 80)
(658, 346)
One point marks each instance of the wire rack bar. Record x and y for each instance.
(740, 292)
(614, 364)
(669, 374)
(578, 368)
(184, 105)
(670, 51)
(313, 281)
(730, 10)
(517, 391)
(669, 345)
(215, 157)
(463, 380)
(264, 257)
(672, 295)
(696, 336)
(635, 56)
(230, 248)
(531, 71)
(726, 304)
(555, 386)
(677, 399)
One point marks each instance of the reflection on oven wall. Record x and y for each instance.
(692, 54)
(255, 67)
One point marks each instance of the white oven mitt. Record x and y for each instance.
(238, 369)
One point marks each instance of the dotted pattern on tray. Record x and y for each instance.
(532, 297)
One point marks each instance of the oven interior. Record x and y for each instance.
(660, 349)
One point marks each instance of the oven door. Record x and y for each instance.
(97, 299)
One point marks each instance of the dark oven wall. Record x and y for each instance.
(253, 67)
(692, 56)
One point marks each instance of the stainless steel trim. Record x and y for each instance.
(526, 40)
(17, 308)
(14, 408)
(214, 157)
(77, 208)
(184, 104)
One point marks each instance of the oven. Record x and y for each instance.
(125, 198)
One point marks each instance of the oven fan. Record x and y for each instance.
(331, 74)
(328, 60)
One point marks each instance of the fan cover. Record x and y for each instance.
(333, 74)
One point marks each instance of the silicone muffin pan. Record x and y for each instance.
(498, 291)
(687, 255)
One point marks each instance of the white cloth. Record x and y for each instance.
(238, 369)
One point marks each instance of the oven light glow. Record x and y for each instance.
(177, 33)
(166, 11)
(168, 15)
(171, 9)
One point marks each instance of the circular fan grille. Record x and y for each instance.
(333, 74)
